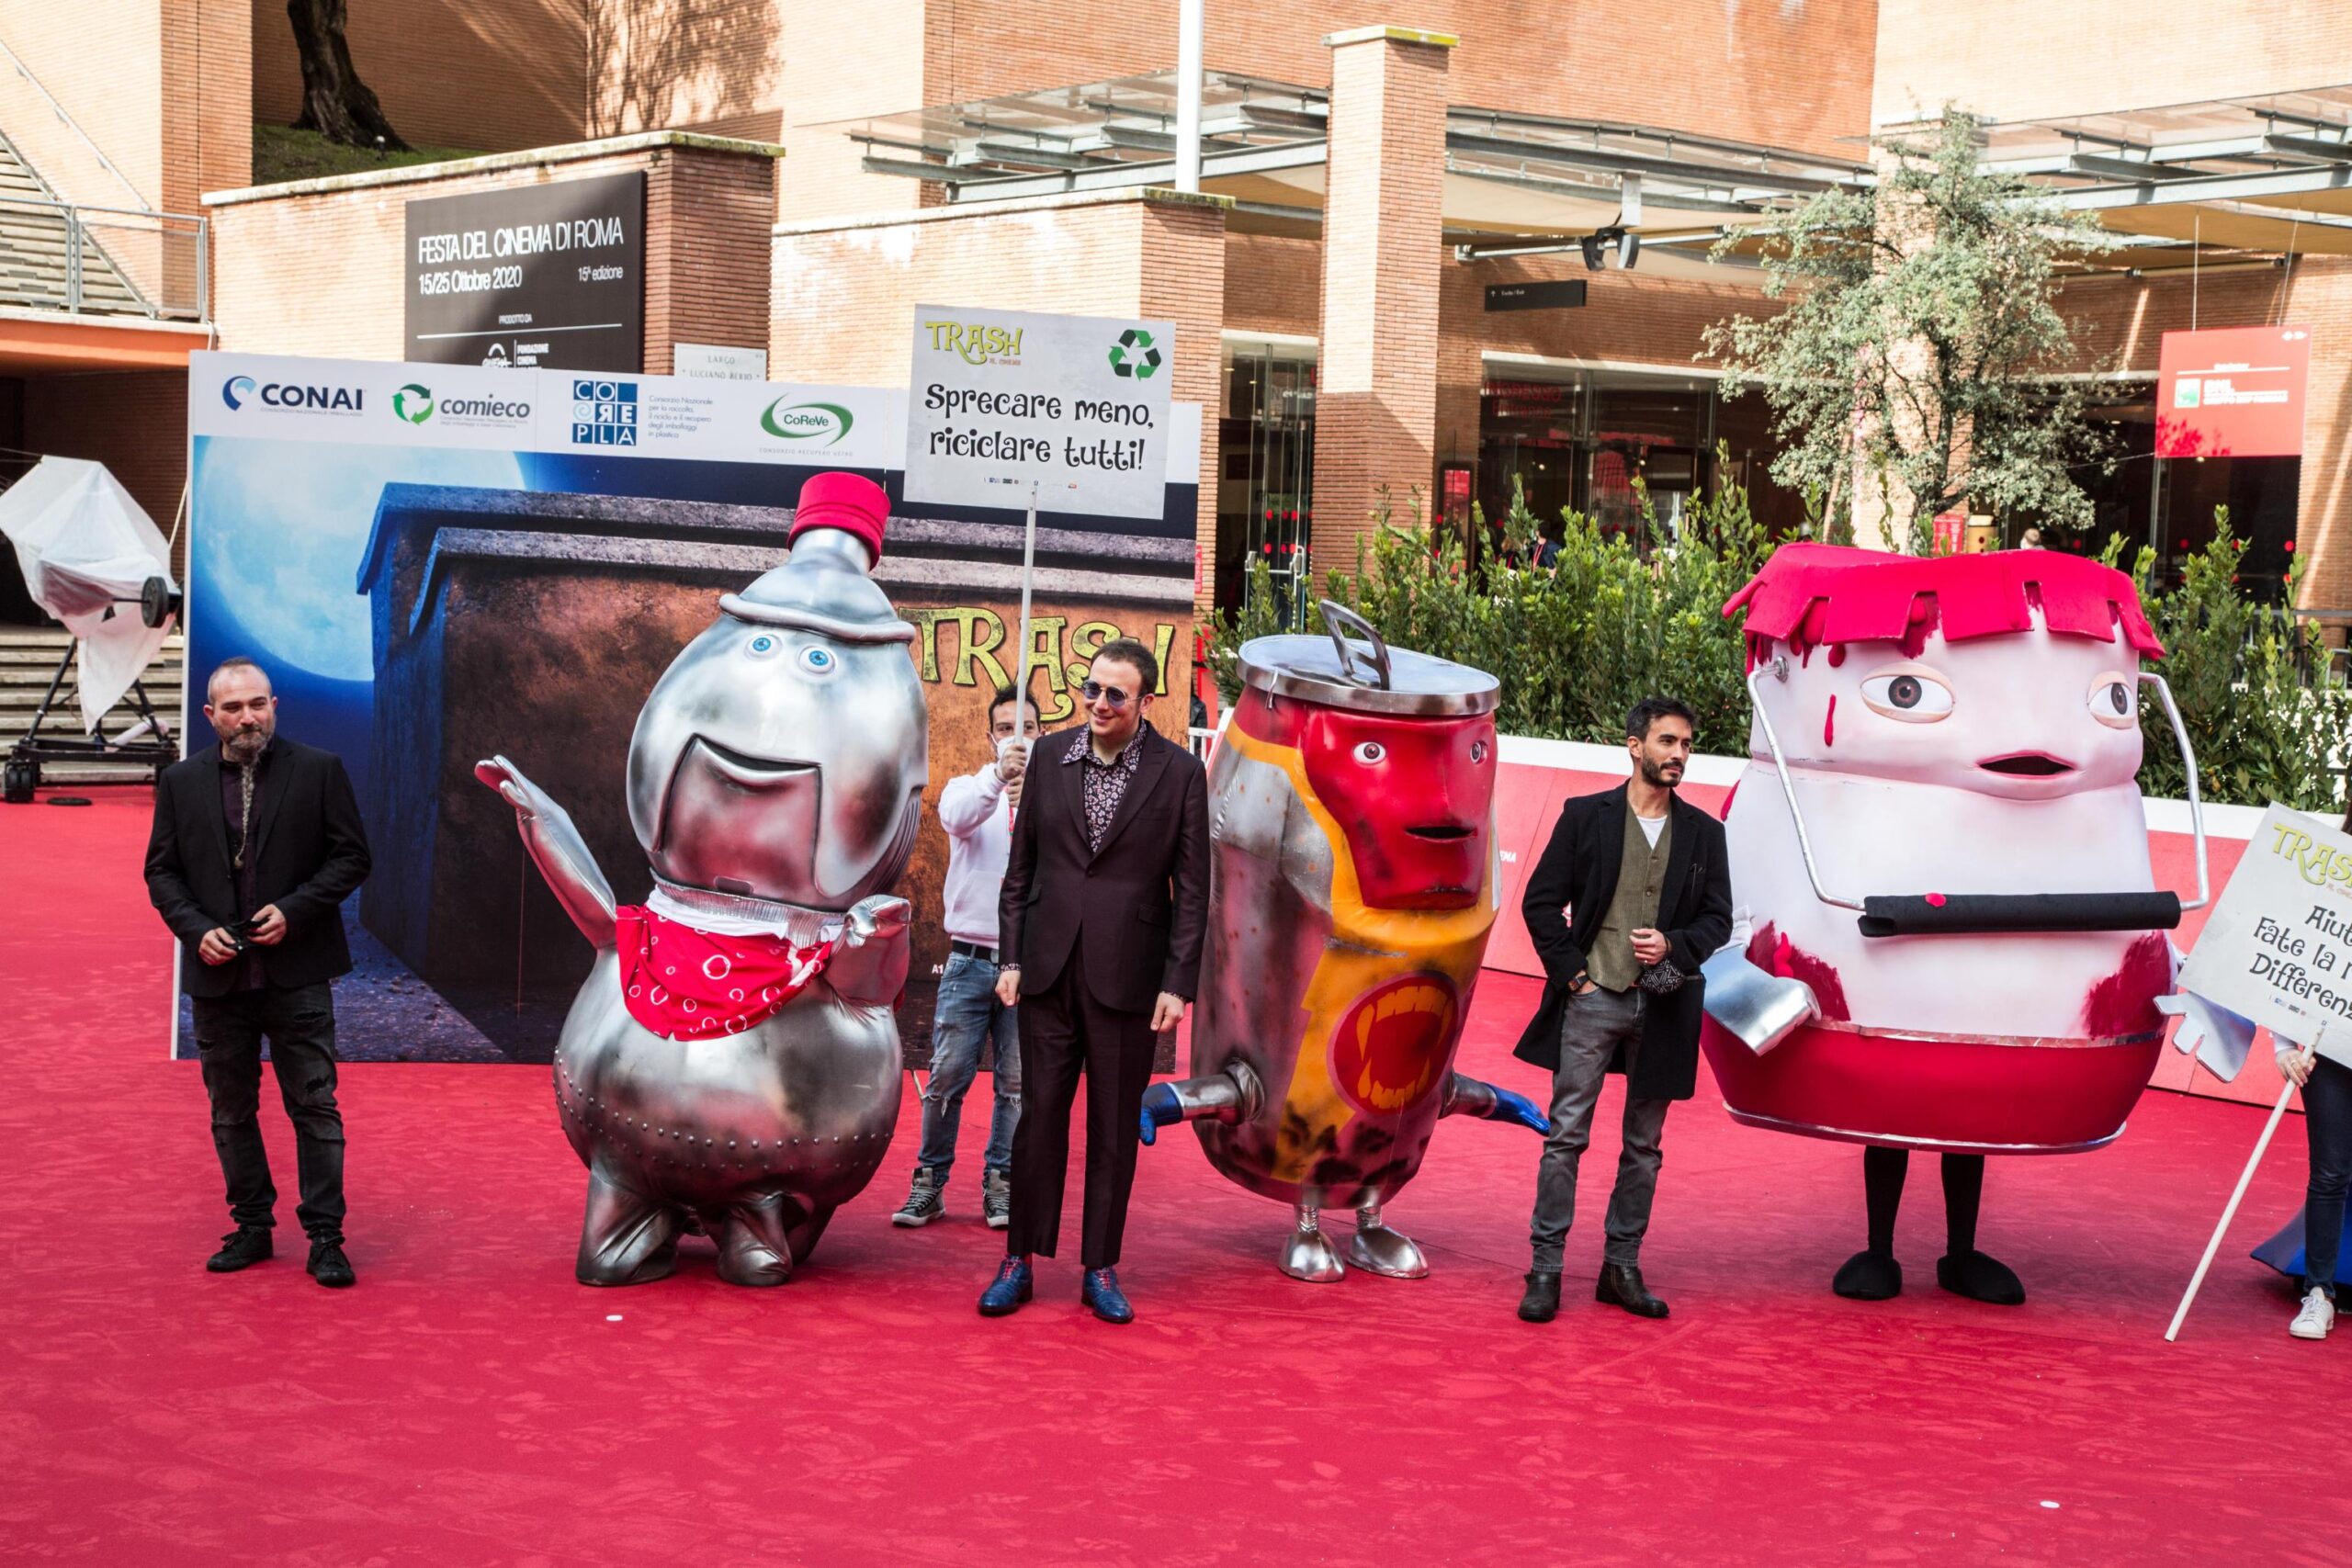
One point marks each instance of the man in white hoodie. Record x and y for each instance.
(976, 810)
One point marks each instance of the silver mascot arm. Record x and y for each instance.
(869, 968)
(558, 850)
(1234, 1095)
(1466, 1096)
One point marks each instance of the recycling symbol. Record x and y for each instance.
(1134, 356)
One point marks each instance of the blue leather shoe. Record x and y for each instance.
(1103, 1293)
(1009, 1290)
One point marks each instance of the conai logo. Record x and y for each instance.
(807, 422)
(238, 390)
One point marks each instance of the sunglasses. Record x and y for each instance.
(1096, 692)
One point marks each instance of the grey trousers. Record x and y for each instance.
(1595, 1023)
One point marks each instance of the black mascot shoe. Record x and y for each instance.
(328, 1266)
(1980, 1279)
(1620, 1285)
(245, 1246)
(1542, 1302)
(1869, 1277)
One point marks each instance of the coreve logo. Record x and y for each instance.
(822, 422)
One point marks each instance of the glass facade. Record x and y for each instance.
(1573, 438)
(1266, 438)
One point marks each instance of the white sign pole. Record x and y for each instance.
(2245, 1179)
(1028, 575)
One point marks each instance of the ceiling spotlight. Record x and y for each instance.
(1598, 243)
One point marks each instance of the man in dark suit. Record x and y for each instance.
(257, 841)
(1643, 878)
(1100, 925)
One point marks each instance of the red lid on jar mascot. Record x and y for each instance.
(1811, 595)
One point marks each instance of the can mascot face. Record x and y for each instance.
(1414, 798)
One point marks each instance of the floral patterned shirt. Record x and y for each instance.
(1106, 783)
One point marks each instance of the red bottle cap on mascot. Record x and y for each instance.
(851, 502)
(825, 586)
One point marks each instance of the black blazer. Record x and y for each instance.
(1143, 901)
(1578, 871)
(311, 850)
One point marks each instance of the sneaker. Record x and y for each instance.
(241, 1248)
(328, 1266)
(924, 1202)
(2316, 1318)
(996, 1199)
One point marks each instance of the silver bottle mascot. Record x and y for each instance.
(732, 1063)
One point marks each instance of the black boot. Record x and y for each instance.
(242, 1248)
(1620, 1285)
(328, 1266)
(1964, 1270)
(1542, 1302)
(1872, 1274)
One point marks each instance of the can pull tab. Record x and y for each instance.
(1340, 621)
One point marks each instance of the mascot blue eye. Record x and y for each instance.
(763, 646)
(818, 661)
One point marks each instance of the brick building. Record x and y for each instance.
(1405, 273)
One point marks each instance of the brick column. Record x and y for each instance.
(1375, 406)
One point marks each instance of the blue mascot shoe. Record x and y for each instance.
(1010, 1287)
(1103, 1293)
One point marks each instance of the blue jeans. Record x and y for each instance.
(967, 1015)
(2327, 1120)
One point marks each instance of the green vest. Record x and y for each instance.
(1640, 879)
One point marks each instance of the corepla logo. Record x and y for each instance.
(827, 422)
(414, 403)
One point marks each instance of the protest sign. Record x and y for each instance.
(2277, 948)
(1076, 408)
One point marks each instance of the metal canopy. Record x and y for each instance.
(2270, 174)
(1264, 144)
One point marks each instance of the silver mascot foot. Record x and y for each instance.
(1308, 1253)
(1390, 1253)
(752, 1249)
(626, 1237)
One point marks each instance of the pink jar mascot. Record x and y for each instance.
(1940, 839)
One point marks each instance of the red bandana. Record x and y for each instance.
(685, 984)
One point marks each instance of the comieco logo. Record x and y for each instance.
(414, 403)
(238, 391)
(1134, 356)
(827, 422)
(483, 410)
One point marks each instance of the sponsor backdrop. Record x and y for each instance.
(440, 563)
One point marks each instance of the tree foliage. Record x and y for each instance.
(1920, 337)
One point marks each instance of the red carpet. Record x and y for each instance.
(469, 1404)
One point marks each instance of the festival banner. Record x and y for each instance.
(437, 564)
(2232, 392)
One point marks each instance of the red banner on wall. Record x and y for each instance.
(2232, 392)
